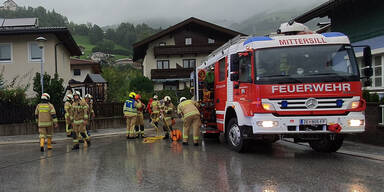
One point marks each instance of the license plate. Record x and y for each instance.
(313, 121)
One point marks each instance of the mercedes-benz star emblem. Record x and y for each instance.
(311, 103)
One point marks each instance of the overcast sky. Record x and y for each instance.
(109, 12)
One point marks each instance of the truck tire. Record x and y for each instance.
(326, 145)
(234, 136)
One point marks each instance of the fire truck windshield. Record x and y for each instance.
(323, 63)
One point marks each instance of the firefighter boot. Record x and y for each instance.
(49, 143)
(166, 136)
(42, 141)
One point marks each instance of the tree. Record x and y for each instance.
(141, 84)
(53, 86)
(96, 34)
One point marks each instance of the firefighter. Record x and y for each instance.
(140, 106)
(80, 119)
(91, 112)
(155, 115)
(68, 112)
(130, 113)
(166, 113)
(46, 118)
(191, 117)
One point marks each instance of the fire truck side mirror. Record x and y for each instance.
(234, 76)
(367, 56)
(368, 72)
(235, 63)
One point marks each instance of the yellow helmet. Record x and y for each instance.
(132, 95)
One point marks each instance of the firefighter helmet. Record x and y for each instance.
(76, 93)
(138, 96)
(69, 97)
(88, 96)
(45, 96)
(132, 95)
(155, 97)
(182, 99)
(167, 98)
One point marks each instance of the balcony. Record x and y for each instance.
(181, 50)
(179, 73)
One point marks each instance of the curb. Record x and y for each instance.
(95, 135)
(61, 139)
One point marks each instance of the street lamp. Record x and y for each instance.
(40, 41)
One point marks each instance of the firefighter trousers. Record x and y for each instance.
(193, 122)
(131, 121)
(80, 132)
(46, 132)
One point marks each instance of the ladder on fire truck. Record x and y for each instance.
(226, 45)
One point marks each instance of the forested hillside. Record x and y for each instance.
(117, 41)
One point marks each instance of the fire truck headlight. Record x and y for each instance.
(355, 122)
(354, 104)
(267, 123)
(268, 107)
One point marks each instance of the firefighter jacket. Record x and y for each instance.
(68, 112)
(188, 108)
(140, 107)
(155, 105)
(79, 111)
(45, 115)
(129, 108)
(168, 110)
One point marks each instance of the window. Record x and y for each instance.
(163, 64)
(76, 72)
(189, 63)
(35, 53)
(377, 72)
(245, 69)
(5, 52)
(222, 70)
(162, 44)
(211, 41)
(188, 41)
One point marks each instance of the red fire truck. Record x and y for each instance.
(294, 84)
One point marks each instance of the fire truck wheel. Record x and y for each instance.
(326, 145)
(234, 136)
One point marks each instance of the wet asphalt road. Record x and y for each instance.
(117, 164)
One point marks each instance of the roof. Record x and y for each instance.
(62, 33)
(75, 61)
(94, 78)
(374, 43)
(319, 11)
(82, 62)
(141, 46)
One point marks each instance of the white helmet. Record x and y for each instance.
(182, 99)
(69, 97)
(45, 96)
(291, 27)
(76, 93)
(167, 98)
(155, 97)
(88, 96)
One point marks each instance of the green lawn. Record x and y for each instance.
(83, 40)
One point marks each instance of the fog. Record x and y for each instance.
(110, 12)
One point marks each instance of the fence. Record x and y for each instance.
(10, 113)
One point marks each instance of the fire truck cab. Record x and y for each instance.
(295, 84)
